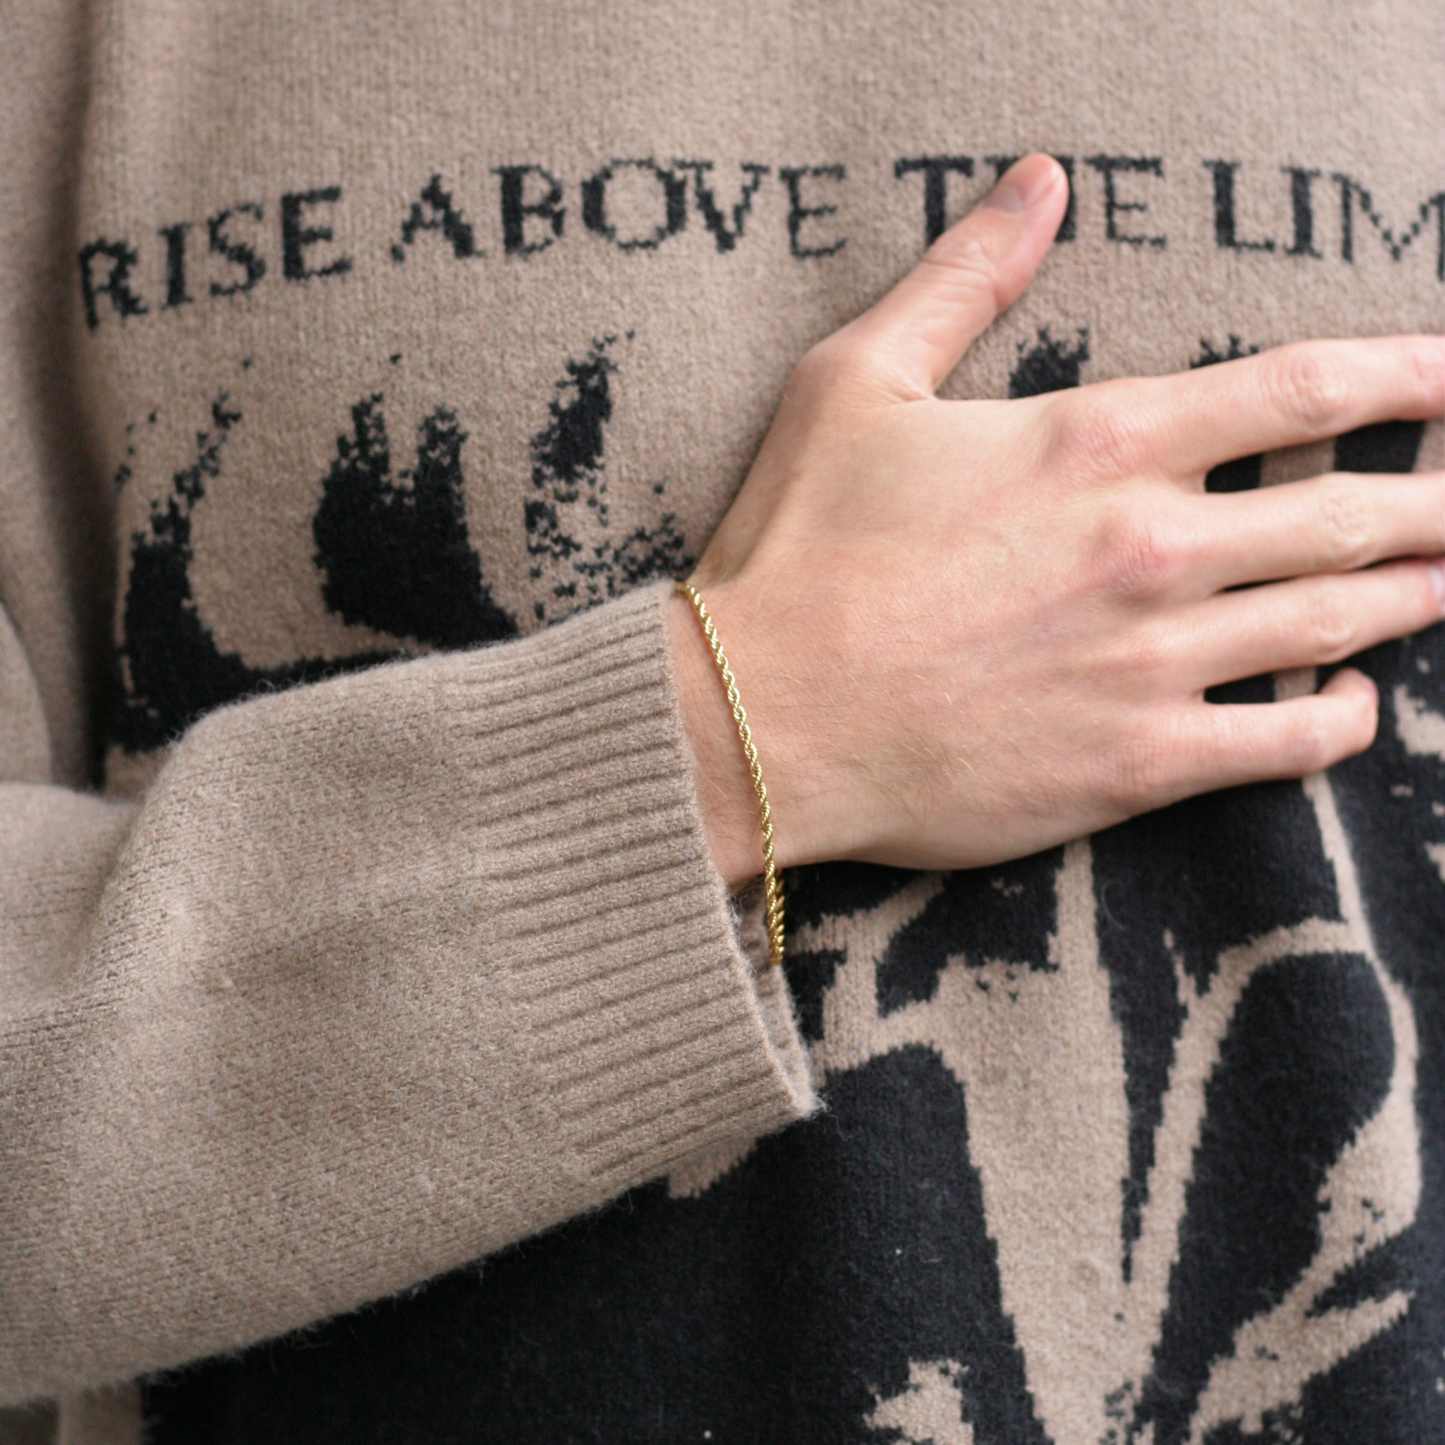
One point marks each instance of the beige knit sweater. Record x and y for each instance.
(336, 338)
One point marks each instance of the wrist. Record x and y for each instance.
(808, 826)
(725, 793)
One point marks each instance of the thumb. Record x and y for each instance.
(918, 332)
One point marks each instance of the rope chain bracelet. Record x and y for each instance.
(772, 891)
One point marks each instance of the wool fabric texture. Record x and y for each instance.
(365, 371)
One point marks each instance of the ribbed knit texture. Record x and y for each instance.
(605, 903)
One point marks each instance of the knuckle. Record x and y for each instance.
(1149, 763)
(1101, 439)
(1140, 557)
(1314, 742)
(1355, 735)
(1331, 621)
(1367, 722)
(1310, 386)
(1427, 360)
(1347, 525)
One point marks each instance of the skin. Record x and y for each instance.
(968, 630)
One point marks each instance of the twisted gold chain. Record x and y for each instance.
(772, 892)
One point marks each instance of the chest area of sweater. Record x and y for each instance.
(402, 331)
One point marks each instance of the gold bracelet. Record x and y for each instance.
(772, 892)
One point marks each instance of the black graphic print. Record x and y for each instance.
(575, 552)
(392, 551)
(1388, 446)
(985, 915)
(1163, 897)
(835, 1257)
(673, 1303)
(395, 553)
(1048, 365)
(1306, 1062)
(169, 670)
(1392, 801)
(1313, 1030)
(815, 892)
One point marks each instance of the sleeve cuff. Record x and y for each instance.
(657, 1033)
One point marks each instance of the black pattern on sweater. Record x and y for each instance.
(853, 1267)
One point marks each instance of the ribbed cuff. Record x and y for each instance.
(656, 1033)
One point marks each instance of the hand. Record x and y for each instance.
(966, 631)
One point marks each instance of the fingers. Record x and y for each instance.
(1226, 745)
(1192, 421)
(916, 334)
(1185, 424)
(1335, 523)
(1310, 620)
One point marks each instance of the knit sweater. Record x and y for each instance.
(365, 368)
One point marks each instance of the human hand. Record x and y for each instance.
(967, 631)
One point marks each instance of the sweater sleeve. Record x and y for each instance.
(379, 975)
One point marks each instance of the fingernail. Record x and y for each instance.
(1437, 580)
(1023, 185)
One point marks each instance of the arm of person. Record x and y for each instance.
(380, 975)
(377, 975)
